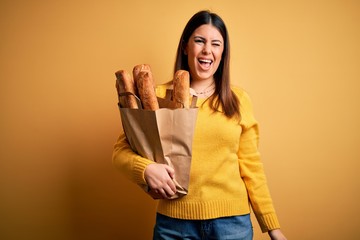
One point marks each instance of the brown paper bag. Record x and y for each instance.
(164, 136)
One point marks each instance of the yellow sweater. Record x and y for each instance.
(226, 172)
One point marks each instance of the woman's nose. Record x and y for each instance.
(206, 49)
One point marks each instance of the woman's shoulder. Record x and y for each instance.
(240, 92)
(246, 106)
(161, 89)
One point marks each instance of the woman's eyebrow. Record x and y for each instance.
(202, 38)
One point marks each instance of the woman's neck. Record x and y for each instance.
(203, 88)
(201, 85)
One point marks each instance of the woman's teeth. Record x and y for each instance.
(205, 61)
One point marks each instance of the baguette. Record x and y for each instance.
(142, 68)
(125, 83)
(145, 86)
(181, 91)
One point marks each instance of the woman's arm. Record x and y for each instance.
(128, 162)
(251, 168)
(144, 172)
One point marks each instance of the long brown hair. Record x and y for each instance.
(224, 96)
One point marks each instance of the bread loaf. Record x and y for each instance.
(146, 90)
(142, 68)
(143, 85)
(181, 91)
(125, 83)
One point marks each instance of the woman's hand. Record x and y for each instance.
(276, 234)
(159, 178)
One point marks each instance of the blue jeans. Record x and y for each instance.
(234, 228)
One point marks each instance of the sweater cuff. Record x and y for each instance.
(268, 222)
(139, 169)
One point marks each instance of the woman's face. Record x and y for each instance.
(204, 50)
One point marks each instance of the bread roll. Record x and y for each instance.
(181, 91)
(146, 91)
(125, 83)
(142, 68)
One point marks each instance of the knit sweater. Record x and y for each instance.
(226, 174)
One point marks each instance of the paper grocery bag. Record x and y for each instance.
(164, 136)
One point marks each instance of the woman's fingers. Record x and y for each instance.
(170, 171)
(159, 178)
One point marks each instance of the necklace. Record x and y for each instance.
(206, 92)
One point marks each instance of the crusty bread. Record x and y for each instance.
(142, 68)
(125, 83)
(145, 86)
(181, 91)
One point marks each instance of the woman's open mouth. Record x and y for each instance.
(205, 63)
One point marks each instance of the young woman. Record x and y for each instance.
(227, 175)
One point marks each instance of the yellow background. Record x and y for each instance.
(299, 61)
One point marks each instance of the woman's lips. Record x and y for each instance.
(205, 63)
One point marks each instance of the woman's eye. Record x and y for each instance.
(199, 41)
(216, 44)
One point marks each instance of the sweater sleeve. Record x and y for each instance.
(251, 168)
(128, 162)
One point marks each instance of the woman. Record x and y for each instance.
(226, 173)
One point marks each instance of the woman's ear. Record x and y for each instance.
(185, 51)
(184, 47)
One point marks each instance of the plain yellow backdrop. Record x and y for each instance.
(299, 61)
